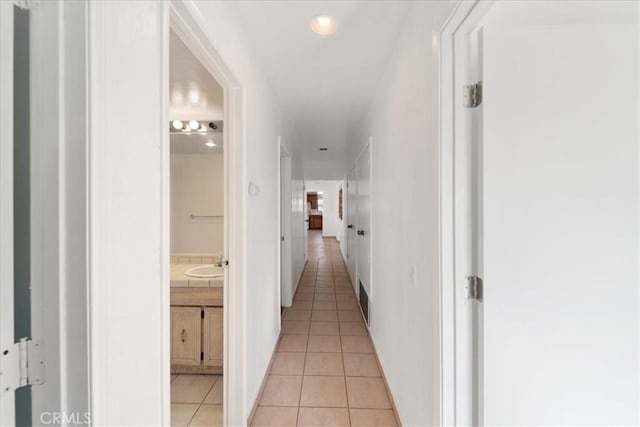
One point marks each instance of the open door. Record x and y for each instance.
(352, 212)
(557, 196)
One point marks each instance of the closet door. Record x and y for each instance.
(212, 342)
(186, 335)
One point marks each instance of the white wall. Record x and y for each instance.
(263, 123)
(330, 221)
(403, 122)
(197, 187)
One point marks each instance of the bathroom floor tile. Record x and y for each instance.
(181, 413)
(215, 395)
(191, 388)
(207, 416)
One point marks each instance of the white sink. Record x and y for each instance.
(205, 271)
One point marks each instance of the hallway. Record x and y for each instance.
(325, 371)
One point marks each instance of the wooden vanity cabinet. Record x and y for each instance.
(196, 339)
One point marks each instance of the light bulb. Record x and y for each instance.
(194, 124)
(177, 124)
(323, 25)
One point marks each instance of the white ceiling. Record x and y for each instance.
(324, 83)
(194, 94)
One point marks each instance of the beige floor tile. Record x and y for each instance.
(343, 290)
(373, 418)
(281, 390)
(328, 290)
(291, 314)
(356, 344)
(191, 388)
(181, 413)
(360, 365)
(347, 305)
(288, 364)
(302, 305)
(295, 327)
(329, 417)
(367, 393)
(307, 296)
(349, 316)
(328, 392)
(271, 416)
(324, 344)
(324, 305)
(173, 377)
(293, 343)
(323, 364)
(324, 315)
(207, 416)
(325, 297)
(353, 328)
(215, 395)
(324, 328)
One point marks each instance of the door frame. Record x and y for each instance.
(186, 20)
(459, 404)
(284, 203)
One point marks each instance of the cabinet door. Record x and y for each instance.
(186, 335)
(212, 342)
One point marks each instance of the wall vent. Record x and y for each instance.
(364, 302)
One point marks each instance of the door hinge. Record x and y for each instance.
(472, 95)
(22, 365)
(474, 288)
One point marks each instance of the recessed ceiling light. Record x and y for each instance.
(177, 124)
(323, 25)
(210, 144)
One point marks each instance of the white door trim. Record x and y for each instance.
(284, 202)
(7, 400)
(457, 407)
(187, 21)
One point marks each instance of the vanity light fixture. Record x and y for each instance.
(323, 25)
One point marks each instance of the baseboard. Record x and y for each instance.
(384, 380)
(254, 407)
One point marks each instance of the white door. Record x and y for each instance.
(31, 221)
(558, 206)
(286, 278)
(363, 223)
(352, 211)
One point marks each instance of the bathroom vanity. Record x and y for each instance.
(196, 321)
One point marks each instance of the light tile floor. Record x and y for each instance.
(196, 400)
(325, 372)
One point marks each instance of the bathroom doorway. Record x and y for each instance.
(198, 255)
